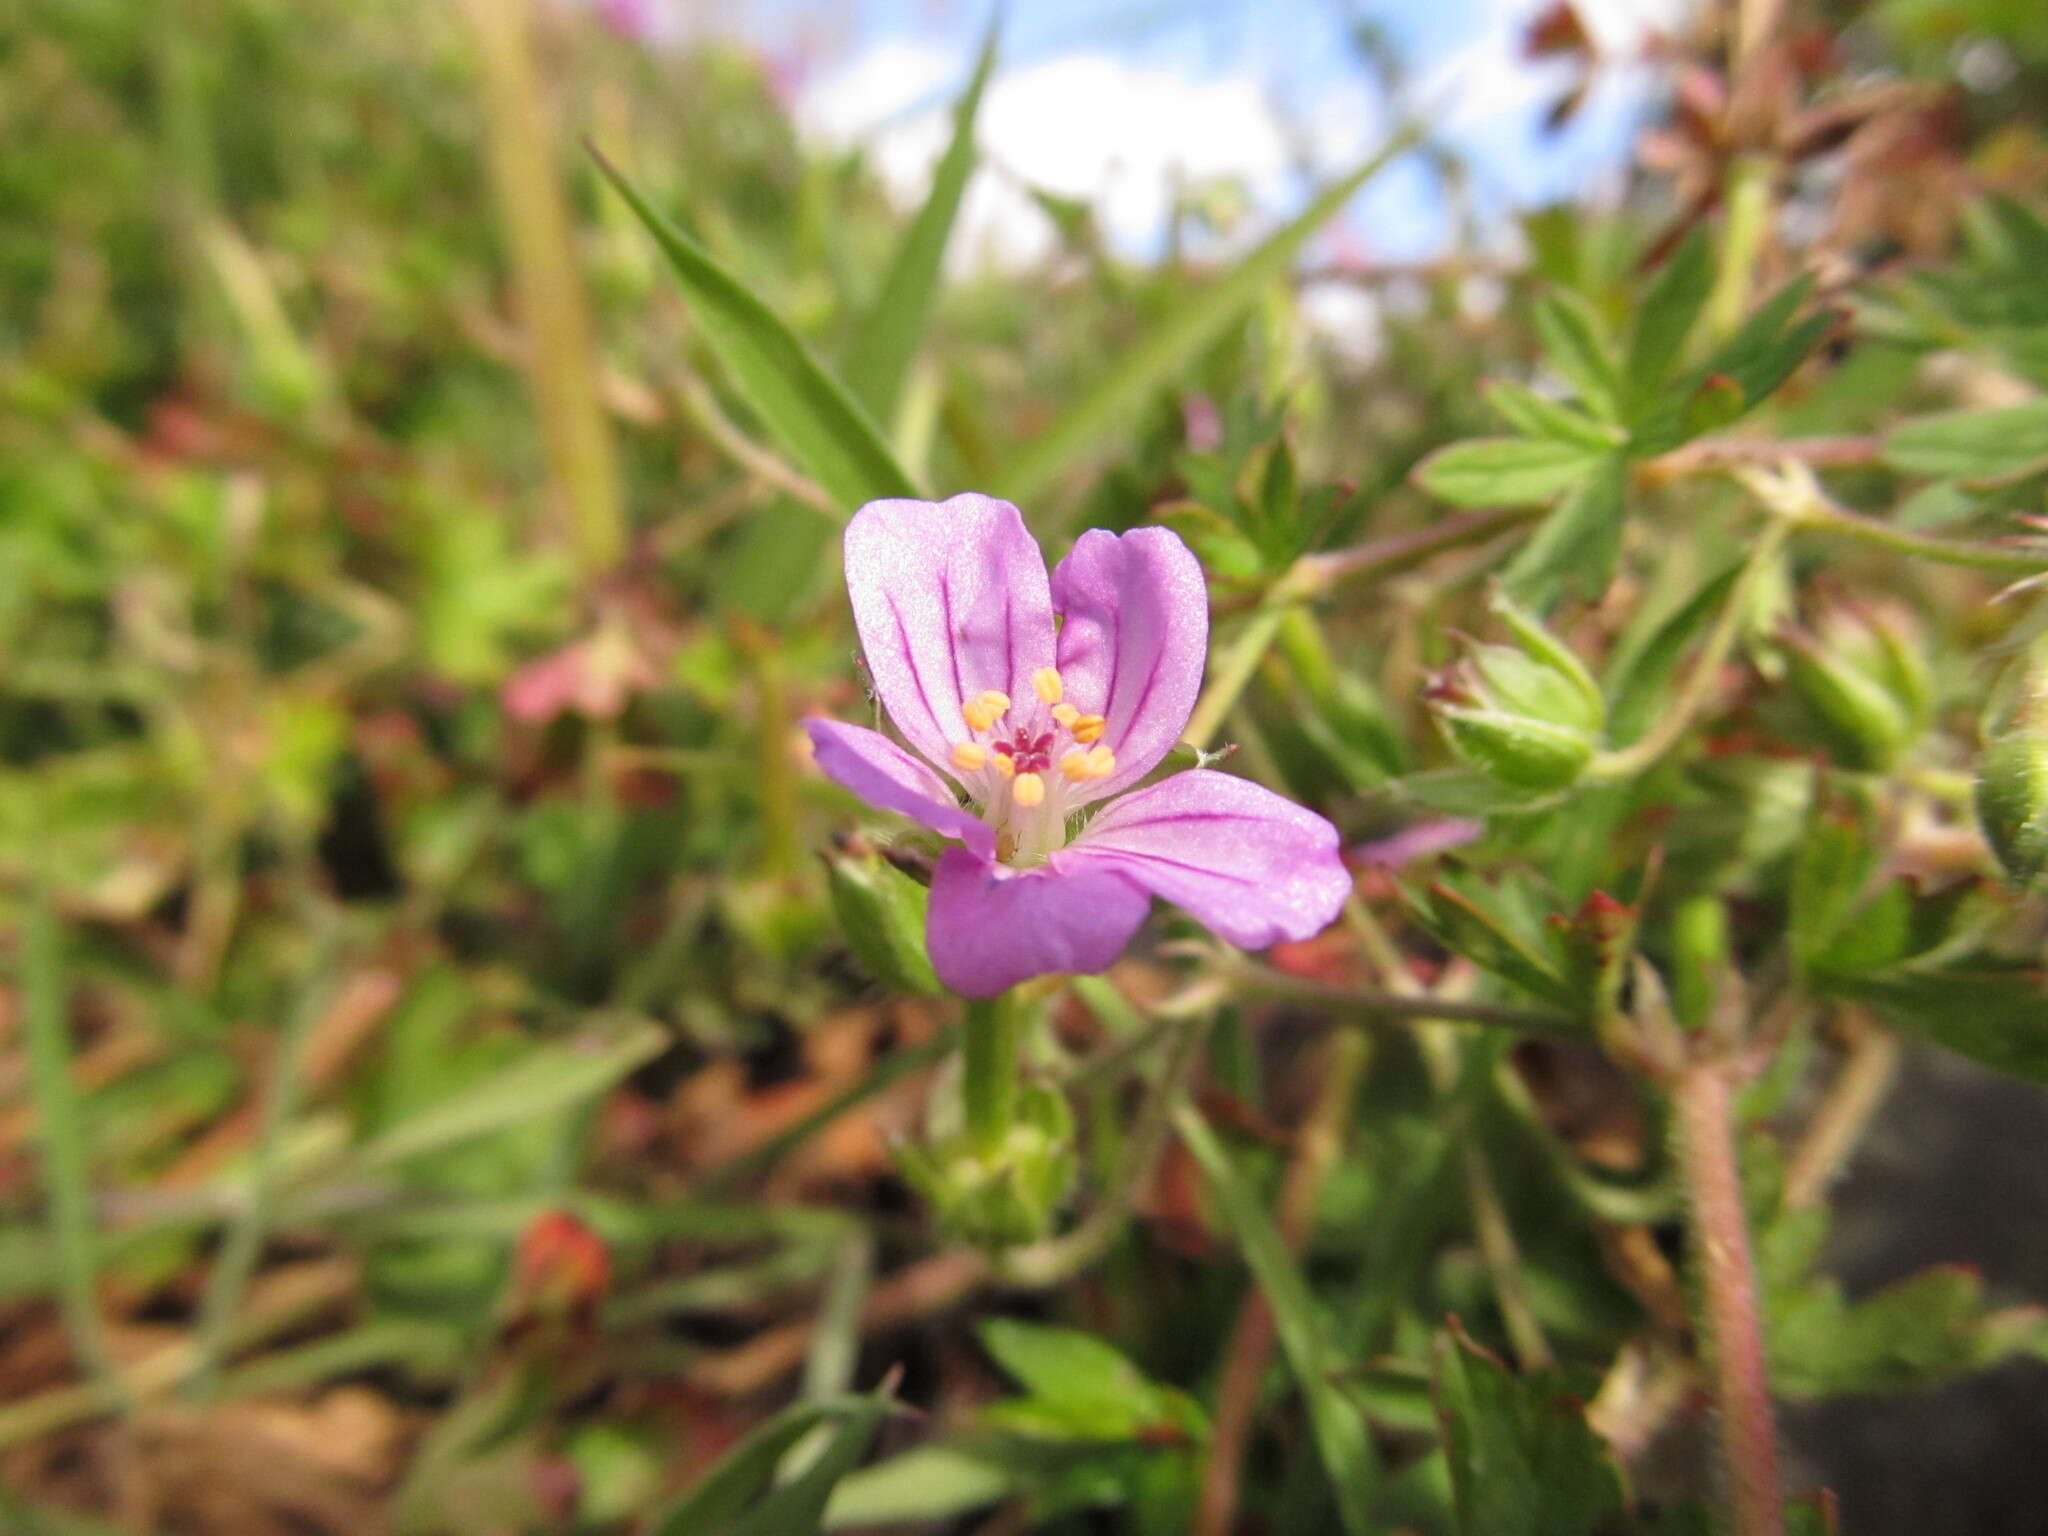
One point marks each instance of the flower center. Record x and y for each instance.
(1025, 767)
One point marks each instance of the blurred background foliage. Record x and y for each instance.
(442, 1086)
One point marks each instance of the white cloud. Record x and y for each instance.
(1090, 126)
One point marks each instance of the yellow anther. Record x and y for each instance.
(1074, 766)
(997, 701)
(1066, 714)
(977, 714)
(1046, 682)
(969, 755)
(1006, 765)
(1029, 790)
(1089, 728)
(1101, 762)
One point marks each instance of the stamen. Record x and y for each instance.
(1029, 789)
(1066, 714)
(1006, 765)
(1101, 762)
(997, 701)
(969, 755)
(1074, 766)
(1046, 682)
(1089, 728)
(977, 714)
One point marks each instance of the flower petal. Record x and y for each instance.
(950, 599)
(990, 926)
(1133, 643)
(1251, 866)
(890, 779)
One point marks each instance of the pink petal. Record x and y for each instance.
(890, 779)
(950, 599)
(990, 926)
(1251, 866)
(1135, 637)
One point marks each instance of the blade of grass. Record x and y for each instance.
(807, 410)
(60, 1127)
(889, 334)
(1156, 358)
(549, 1079)
(1341, 1437)
(243, 1244)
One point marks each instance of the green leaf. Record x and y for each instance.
(929, 1483)
(1745, 369)
(1523, 1460)
(1575, 548)
(739, 1496)
(1973, 445)
(889, 334)
(1504, 471)
(1576, 345)
(1340, 1433)
(1155, 359)
(1919, 1332)
(1081, 1387)
(807, 410)
(1639, 685)
(544, 1081)
(1666, 317)
(1535, 415)
(1998, 1017)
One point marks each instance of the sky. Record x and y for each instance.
(1117, 101)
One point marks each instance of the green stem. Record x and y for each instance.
(1731, 1326)
(1698, 688)
(1227, 683)
(992, 1052)
(1742, 238)
(1830, 518)
(243, 1244)
(60, 1121)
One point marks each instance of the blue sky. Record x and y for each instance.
(1112, 101)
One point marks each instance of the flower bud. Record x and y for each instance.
(881, 913)
(1529, 714)
(2012, 774)
(1863, 679)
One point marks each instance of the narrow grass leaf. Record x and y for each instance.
(1669, 310)
(1342, 1439)
(1154, 359)
(889, 335)
(550, 1079)
(808, 411)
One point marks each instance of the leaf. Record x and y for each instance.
(889, 334)
(1575, 548)
(739, 1496)
(929, 1483)
(1504, 471)
(1156, 358)
(1087, 1387)
(1523, 1460)
(1998, 1017)
(544, 1081)
(1576, 345)
(807, 410)
(1918, 1332)
(1535, 415)
(1666, 317)
(1339, 1430)
(1973, 445)
(1745, 369)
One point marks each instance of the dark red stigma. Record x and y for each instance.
(1031, 754)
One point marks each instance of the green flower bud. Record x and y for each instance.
(1529, 714)
(881, 913)
(1862, 678)
(2012, 774)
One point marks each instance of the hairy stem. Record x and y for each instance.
(991, 1053)
(1731, 1328)
(1227, 683)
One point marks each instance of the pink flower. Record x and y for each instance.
(1020, 726)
